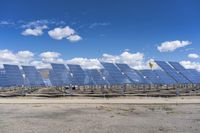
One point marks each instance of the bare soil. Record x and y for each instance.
(99, 117)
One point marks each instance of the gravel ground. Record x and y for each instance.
(101, 118)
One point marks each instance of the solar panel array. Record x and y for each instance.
(114, 73)
(132, 74)
(108, 77)
(59, 75)
(78, 75)
(179, 78)
(110, 74)
(157, 77)
(194, 71)
(13, 75)
(33, 76)
(3, 78)
(189, 75)
(96, 77)
(164, 77)
(151, 77)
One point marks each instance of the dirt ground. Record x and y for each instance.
(101, 118)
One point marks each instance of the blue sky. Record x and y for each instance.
(103, 26)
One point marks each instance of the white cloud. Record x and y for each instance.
(50, 54)
(41, 22)
(66, 32)
(33, 24)
(28, 58)
(51, 57)
(7, 56)
(25, 54)
(193, 56)
(19, 58)
(170, 46)
(37, 31)
(99, 24)
(40, 64)
(135, 60)
(191, 65)
(60, 33)
(74, 38)
(86, 63)
(3, 22)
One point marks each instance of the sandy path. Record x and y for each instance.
(84, 100)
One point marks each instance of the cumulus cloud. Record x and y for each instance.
(37, 31)
(25, 54)
(66, 32)
(50, 54)
(193, 56)
(51, 57)
(21, 57)
(170, 46)
(191, 65)
(74, 38)
(28, 58)
(135, 60)
(40, 64)
(60, 33)
(86, 63)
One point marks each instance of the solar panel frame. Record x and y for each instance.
(151, 76)
(115, 73)
(194, 71)
(33, 76)
(186, 73)
(164, 77)
(60, 75)
(180, 79)
(3, 79)
(133, 75)
(96, 77)
(108, 77)
(13, 75)
(78, 75)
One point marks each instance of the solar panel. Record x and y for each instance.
(14, 75)
(59, 75)
(78, 75)
(3, 79)
(151, 76)
(172, 72)
(195, 74)
(194, 71)
(96, 77)
(164, 78)
(33, 76)
(53, 79)
(108, 77)
(190, 75)
(88, 78)
(115, 73)
(132, 74)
